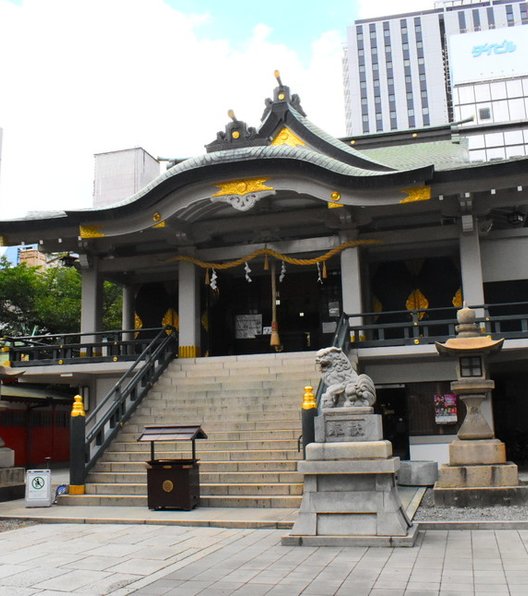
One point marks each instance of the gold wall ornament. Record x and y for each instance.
(171, 318)
(286, 136)
(241, 187)
(417, 301)
(156, 217)
(160, 225)
(335, 197)
(458, 299)
(235, 134)
(78, 406)
(86, 232)
(416, 193)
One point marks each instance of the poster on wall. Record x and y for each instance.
(248, 326)
(446, 411)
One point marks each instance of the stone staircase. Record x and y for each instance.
(250, 408)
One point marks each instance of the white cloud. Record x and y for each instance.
(80, 78)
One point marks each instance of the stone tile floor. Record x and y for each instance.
(148, 560)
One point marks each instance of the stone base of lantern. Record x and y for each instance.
(478, 475)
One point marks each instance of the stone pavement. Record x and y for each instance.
(147, 560)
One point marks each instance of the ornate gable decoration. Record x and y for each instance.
(237, 135)
(242, 194)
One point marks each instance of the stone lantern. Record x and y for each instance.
(477, 473)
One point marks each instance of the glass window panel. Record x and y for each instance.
(482, 92)
(514, 88)
(517, 111)
(515, 151)
(496, 153)
(498, 90)
(466, 95)
(476, 142)
(494, 139)
(500, 111)
(484, 112)
(513, 137)
(479, 155)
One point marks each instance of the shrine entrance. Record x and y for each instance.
(237, 316)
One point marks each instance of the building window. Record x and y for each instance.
(365, 118)
(509, 15)
(462, 21)
(491, 18)
(476, 19)
(484, 113)
(524, 13)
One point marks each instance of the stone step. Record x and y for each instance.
(220, 467)
(226, 422)
(249, 454)
(243, 435)
(144, 448)
(250, 407)
(231, 397)
(284, 501)
(225, 408)
(219, 477)
(288, 383)
(136, 425)
(206, 489)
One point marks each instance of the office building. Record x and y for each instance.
(457, 61)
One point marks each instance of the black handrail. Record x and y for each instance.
(69, 348)
(107, 418)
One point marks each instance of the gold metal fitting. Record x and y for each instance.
(78, 406)
(416, 341)
(309, 398)
(235, 134)
(156, 217)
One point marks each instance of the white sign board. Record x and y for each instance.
(491, 54)
(38, 488)
(248, 326)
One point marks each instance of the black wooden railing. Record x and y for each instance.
(426, 326)
(69, 348)
(103, 423)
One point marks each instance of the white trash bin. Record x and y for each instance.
(38, 488)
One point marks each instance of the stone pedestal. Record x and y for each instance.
(12, 480)
(478, 475)
(350, 495)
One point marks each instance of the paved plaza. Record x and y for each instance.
(119, 559)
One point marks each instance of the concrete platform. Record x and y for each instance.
(220, 517)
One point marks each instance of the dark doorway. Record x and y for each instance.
(510, 412)
(240, 313)
(392, 405)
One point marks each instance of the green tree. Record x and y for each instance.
(34, 300)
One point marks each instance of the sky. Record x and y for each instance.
(80, 77)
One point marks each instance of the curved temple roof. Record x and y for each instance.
(287, 158)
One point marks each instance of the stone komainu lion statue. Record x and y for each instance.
(342, 380)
